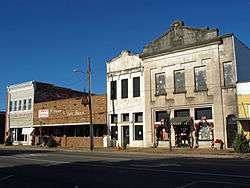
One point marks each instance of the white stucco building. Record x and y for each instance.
(125, 100)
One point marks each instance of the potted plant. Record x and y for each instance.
(218, 143)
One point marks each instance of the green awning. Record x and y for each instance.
(179, 120)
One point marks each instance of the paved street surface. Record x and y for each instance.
(40, 168)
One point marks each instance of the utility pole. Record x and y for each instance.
(90, 109)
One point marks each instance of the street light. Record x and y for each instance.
(87, 101)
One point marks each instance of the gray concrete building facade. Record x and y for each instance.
(192, 73)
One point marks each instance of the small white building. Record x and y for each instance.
(19, 114)
(125, 100)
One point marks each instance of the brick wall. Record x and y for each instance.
(73, 142)
(66, 111)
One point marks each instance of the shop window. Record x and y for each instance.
(125, 117)
(204, 131)
(200, 78)
(11, 106)
(159, 115)
(20, 105)
(228, 74)
(124, 88)
(138, 132)
(29, 104)
(114, 132)
(113, 90)
(160, 84)
(136, 87)
(113, 118)
(24, 104)
(182, 113)
(15, 105)
(203, 112)
(138, 117)
(179, 81)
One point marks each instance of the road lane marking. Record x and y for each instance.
(214, 182)
(6, 177)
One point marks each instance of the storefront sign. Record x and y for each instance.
(44, 113)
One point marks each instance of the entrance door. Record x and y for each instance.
(231, 130)
(125, 135)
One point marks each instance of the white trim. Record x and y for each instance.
(62, 124)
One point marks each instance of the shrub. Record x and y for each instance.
(241, 144)
(51, 142)
(8, 141)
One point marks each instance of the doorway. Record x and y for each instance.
(232, 130)
(125, 135)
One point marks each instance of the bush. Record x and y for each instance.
(8, 141)
(241, 144)
(51, 142)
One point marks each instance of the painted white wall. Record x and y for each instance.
(126, 66)
(243, 88)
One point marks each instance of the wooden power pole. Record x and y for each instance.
(90, 109)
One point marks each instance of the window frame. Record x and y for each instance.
(123, 115)
(183, 89)
(124, 88)
(134, 117)
(196, 89)
(161, 92)
(196, 115)
(137, 136)
(136, 90)
(112, 118)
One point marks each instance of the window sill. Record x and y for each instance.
(229, 87)
(158, 95)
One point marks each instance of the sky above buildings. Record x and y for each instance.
(46, 40)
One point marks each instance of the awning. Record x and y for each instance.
(27, 131)
(179, 120)
(243, 119)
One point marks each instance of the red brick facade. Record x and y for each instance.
(66, 111)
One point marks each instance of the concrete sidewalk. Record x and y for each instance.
(182, 152)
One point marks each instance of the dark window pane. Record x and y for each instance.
(228, 74)
(124, 88)
(15, 105)
(138, 132)
(24, 104)
(160, 115)
(200, 112)
(29, 104)
(200, 78)
(114, 132)
(160, 84)
(179, 81)
(136, 87)
(11, 106)
(20, 105)
(113, 90)
(113, 118)
(182, 113)
(125, 117)
(138, 117)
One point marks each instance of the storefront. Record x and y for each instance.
(22, 136)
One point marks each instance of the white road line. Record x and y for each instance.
(6, 177)
(215, 182)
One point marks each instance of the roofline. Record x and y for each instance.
(120, 54)
(23, 84)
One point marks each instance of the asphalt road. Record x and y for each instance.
(26, 168)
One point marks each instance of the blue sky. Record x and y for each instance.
(45, 40)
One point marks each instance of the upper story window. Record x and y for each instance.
(29, 104)
(19, 105)
(113, 90)
(124, 88)
(136, 87)
(11, 106)
(228, 74)
(179, 81)
(125, 117)
(114, 118)
(201, 112)
(160, 84)
(15, 105)
(200, 78)
(138, 117)
(24, 104)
